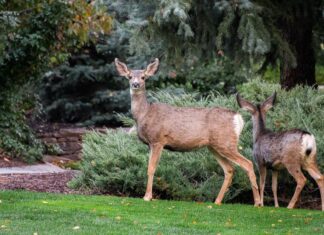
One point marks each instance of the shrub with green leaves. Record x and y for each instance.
(116, 162)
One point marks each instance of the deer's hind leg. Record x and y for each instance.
(296, 172)
(234, 156)
(228, 175)
(319, 178)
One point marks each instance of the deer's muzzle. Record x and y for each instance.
(135, 85)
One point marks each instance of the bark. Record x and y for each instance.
(298, 31)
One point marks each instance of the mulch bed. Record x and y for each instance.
(49, 182)
(44, 182)
(8, 162)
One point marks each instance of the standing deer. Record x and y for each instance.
(182, 129)
(294, 150)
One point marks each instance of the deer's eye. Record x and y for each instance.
(143, 78)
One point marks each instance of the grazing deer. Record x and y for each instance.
(182, 129)
(293, 150)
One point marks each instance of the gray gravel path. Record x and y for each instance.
(32, 169)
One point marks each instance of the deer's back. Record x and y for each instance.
(275, 149)
(185, 128)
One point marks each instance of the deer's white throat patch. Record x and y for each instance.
(136, 91)
(238, 124)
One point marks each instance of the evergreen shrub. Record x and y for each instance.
(116, 162)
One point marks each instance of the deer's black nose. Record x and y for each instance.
(135, 85)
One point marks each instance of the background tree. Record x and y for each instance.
(298, 22)
(86, 89)
(251, 32)
(36, 35)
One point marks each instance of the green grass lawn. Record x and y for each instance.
(39, 213)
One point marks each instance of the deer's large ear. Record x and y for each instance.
(121, 68)
(269, 102)
(244, 104)
(152, 68)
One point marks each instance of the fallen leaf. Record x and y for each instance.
(76, 227)
(273, 225)
(209, 207)
(307, 220)
(280, 221)
(6, 159)
(45, 202)
(118, 218)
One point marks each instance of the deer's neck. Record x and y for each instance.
(259, 127)
(139, 104)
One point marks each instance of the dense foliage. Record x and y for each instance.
(86, 90)
(36, 35)
(253, 32)
(203, 46)
(116, 162)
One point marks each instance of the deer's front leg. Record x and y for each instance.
(155, 153)
(274, 187)
(263, 175)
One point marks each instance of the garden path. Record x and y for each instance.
(32, 169)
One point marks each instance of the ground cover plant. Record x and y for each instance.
(116, 162)
(41, 213)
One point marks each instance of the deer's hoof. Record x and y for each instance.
(258, 204)
(218, 203)
(147, 198)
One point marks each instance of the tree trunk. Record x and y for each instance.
(298, 31)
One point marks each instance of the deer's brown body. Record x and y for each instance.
(293, 149)
(183, 129)
(176, 126)
(271, 149)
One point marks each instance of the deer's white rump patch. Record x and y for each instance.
(238, 124)
(308, 143)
